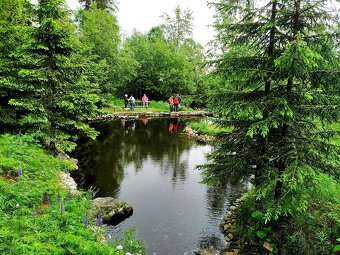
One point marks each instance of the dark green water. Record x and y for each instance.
(152, 166)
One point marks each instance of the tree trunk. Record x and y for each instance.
(290, 83)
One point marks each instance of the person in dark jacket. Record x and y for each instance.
(176, 102)
(126, 100)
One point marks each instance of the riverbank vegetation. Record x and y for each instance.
(37, 215)
(208, 127)
(272, 81)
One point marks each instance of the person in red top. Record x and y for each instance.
(145, 101)
(176, 103)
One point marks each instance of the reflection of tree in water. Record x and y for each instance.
(219, 197)
(102, 162)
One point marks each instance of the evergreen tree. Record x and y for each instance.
(280, 68)
(52, 97)
(14, 31)
(108, 5)
(178, 29)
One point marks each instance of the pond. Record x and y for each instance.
(151, 165)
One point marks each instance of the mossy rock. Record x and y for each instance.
(112, 209)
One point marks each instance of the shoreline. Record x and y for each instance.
(136, 115)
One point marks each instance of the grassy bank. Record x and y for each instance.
(207, 127)
(34, 219)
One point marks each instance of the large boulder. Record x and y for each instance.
(112, 209)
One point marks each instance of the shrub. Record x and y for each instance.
(313, 231)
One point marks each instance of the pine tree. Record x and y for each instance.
(108, 5)
(53, 96)
(14, 31)
(179, 28)
(281, 73)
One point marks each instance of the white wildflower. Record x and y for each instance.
(119, 247)
(128, 253)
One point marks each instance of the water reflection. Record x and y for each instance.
(174, 125)
(119, 145)
(129, 125)
(152, 166)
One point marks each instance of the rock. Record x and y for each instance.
(236, 251)
(67, 182)
(64, 156)
(113, 210)
(229, 253)
(230, 236)
(232, 208)
(196, 252)
(208, 251)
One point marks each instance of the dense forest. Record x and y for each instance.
(271, 76)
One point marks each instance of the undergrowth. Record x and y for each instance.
(312, 231)
(34, 219)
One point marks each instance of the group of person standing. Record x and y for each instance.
(175, 103)
(132, 101)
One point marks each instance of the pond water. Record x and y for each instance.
(151, 165)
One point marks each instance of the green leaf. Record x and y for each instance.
(261, 234)
(336, 248)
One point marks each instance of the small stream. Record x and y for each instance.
(151, 165)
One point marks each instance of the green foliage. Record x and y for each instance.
(162, 70)
(336, 247)
(311, 231)
(14, 31)
(314, 231)
(50, 95)
(129, 244)
(178, 29)
(110, 66)
(278, 74)
(207, 127)
(30, 218)
(107, 5)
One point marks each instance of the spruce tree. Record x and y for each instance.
(52, 96)
(280, 67)
(14, 31)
